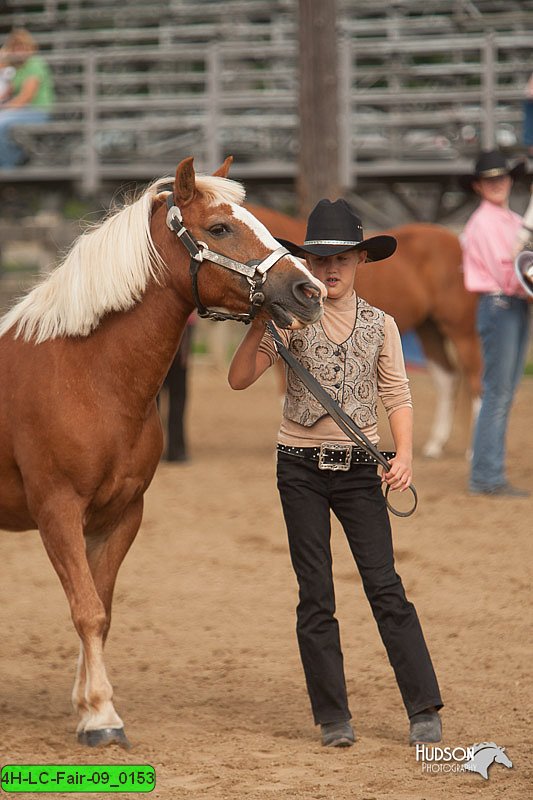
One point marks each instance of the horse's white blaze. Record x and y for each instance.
(262, 233)
(442, 422)
(266, 238)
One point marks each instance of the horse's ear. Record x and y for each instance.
(185, 182)
(222, 172)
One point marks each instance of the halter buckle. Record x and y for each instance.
(174, 215)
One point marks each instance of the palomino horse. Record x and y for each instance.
(82, 358)
(421, 286)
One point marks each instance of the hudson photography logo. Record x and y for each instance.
(477, 758)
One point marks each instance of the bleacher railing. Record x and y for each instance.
(409, 107)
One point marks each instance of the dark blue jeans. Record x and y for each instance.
(308, 495)
(528, 122)
(503, 326)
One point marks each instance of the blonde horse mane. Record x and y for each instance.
(106, 269)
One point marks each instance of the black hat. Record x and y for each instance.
(334, 228)
(492, 164)
(524, 270)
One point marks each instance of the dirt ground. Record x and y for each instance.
(203, 653)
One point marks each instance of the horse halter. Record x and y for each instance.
(254, 271)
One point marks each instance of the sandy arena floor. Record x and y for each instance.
(203, 654)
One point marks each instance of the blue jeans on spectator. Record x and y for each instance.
(10, 153)
(503, 324)
(528, 122)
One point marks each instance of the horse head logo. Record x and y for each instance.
(485, 754)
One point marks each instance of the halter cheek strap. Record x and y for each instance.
(255, 271)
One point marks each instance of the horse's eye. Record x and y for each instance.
(218, 230)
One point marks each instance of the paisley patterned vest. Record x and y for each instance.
(347, 371)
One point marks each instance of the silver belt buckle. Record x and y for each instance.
(340, 448)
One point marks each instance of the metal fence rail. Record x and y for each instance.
(410, 107)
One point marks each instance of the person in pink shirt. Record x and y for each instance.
(488, 242)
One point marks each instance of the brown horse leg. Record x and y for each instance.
(468, 351)
(469, 356)
(445, 377)
(61, 529)
(105, 555)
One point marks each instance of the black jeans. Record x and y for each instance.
(355, 497)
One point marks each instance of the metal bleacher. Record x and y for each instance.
(422, 85)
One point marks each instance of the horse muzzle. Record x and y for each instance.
(295, 304)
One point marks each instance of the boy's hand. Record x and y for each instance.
(400, 474)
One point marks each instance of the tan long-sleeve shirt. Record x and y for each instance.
(393, 385)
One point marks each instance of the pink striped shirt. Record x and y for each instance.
(488, 242)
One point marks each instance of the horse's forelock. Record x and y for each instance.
(213, 189)
(216, 189)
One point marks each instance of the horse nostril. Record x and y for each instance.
(304, 289)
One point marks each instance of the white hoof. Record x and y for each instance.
(432, 450)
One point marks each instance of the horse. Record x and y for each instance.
(422, 287)
(176, 384)
(524, 237)
(485, 754)
(83, 357)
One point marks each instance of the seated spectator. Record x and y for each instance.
(6, 76)
(30, 96)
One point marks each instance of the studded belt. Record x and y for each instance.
(333, 455)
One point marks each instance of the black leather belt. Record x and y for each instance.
(333, 455)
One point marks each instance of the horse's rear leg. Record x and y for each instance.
(468, 350)
(105, 554)
(60, 526)
(445, 377)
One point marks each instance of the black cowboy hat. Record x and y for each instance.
(492, 164)
(333, 227)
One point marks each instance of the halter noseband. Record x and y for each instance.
(254, 271)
